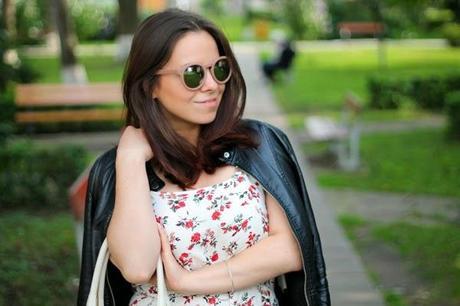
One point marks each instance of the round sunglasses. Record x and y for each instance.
(193, 75)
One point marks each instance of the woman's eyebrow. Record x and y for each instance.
(198, 63)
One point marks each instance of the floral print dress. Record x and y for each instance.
(206, 226)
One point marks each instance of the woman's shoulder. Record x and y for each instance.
(104, 165)
(106, 160)
(266, 132)
(259, 126)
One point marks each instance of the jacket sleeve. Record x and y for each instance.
(93, 233)
(322, 288)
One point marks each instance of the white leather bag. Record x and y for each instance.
(96, 293)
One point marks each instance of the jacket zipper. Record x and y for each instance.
(298, 243)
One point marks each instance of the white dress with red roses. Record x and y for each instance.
(207, 226)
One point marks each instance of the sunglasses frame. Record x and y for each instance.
(180, 72)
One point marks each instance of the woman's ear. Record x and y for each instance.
(154, 94)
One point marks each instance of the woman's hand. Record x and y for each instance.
(176, 276)
(133, 143)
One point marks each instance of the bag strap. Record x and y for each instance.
(96, 293)
(162, 297)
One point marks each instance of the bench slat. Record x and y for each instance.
(323, 129)
(69, 115)
(361, 27)
(67, 94)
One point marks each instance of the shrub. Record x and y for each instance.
(451, 32)
(387, 93)
(453, 114)
(6, 130)
(429, 92)
(7, 125)
(38, 259)
(37, 177)
(453, 82)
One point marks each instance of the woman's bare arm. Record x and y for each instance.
(133, 239)
(275, 255)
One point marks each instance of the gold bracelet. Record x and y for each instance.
(230, 275)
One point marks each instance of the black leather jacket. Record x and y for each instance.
(274, 165)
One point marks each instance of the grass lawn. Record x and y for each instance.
(321, 78)
(433, 251)
(38, 259)
(419, 161)
(98, 68)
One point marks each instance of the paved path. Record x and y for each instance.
(391, 207)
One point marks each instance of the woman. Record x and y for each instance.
(220, 199)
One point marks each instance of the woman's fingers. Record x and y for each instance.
(134, 141)
(174, 272)
(164, 238)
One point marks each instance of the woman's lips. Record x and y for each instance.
(210, 102)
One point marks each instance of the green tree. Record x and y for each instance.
(214, 7)
(296, 16)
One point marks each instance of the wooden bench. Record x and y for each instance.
(343, 134)
(347, 29)
(45, 103)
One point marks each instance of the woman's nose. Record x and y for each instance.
(209, 82)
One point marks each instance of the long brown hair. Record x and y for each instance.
(179, 160)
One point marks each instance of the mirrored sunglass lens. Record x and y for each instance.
(222, 69)
(193, 76)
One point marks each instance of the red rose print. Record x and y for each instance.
(215, 256)
(266, 228)
(216, 215)
(183, 256)
(196, 237)
(207, 226)
(212, 300)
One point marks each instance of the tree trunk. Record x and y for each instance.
(377, 13)
(127, 23)
(71, 71)
(9, 18)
